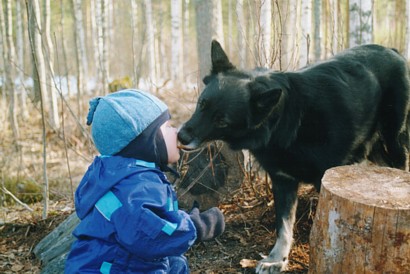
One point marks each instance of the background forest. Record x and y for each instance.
(56, 55)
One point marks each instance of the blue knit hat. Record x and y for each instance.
(120, 117)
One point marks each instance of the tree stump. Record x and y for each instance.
(362, 222)
(209, 175)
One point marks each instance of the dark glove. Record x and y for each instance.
(209, 224)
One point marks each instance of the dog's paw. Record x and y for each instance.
(270, 266)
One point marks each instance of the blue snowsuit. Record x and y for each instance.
(130, 222)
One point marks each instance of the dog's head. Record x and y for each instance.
(233, 104)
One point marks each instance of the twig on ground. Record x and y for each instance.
(5, 190)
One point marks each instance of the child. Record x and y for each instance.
(130, 221)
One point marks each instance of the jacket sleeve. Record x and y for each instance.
(149, 223)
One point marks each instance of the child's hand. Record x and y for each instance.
(194, 205)
(209, 224)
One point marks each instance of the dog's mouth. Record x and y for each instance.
(188, 147)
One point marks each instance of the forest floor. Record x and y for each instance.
(249, 233)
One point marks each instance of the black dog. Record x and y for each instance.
(299, 124)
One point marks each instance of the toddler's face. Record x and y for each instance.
(170, 137)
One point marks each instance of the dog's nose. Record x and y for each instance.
(185, 135)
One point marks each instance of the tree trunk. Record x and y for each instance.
(160, 66)
(336, 16)
(288, 51)
(3, 100)
(362, 222)
(306, 32)
(150, 33)
(187, 38)
(20, 60)
(79, 53)
(39, 76)
(241, 28)
(49, 60)
(209, 176)
(64, 52)
(265, 30)
(317, 34)
(101, 54)
(105, 8)
(39, 72)
(361, 22)
(177, 67)
(208, 27)
(11, 72)
(407, 46)
(95, 20)
(135, 42)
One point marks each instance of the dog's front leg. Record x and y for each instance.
(285, 195)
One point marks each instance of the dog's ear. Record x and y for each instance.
(263, 100)
(220, 61)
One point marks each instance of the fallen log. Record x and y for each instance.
(362, 222)
(53, 249)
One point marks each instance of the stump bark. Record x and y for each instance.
(362, 222)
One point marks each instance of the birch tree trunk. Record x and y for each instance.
(218, 26)
(336, 16)
(150, 32)
(306, 32)
(49, 59)
(63, 49)
(208, 27)
(135, 43)
(265, 42)
(39, 76)
(408, 29)
(187, 38)
(101, 55)
(95, 18)
(39, 72)
(20, 60)
(11, 72)
(105, 44)
(3, 101)
(241, 28)
(289, 53)
(317, 34)
(80, 54)
(230, 28)
(361, 22)
(177, 67)
(160, 56)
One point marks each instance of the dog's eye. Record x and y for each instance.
(220, 123)
(202, 104)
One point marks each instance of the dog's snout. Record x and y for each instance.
(185, 135)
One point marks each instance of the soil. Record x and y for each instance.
(248, 235)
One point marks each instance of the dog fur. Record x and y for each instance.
(349, 108)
